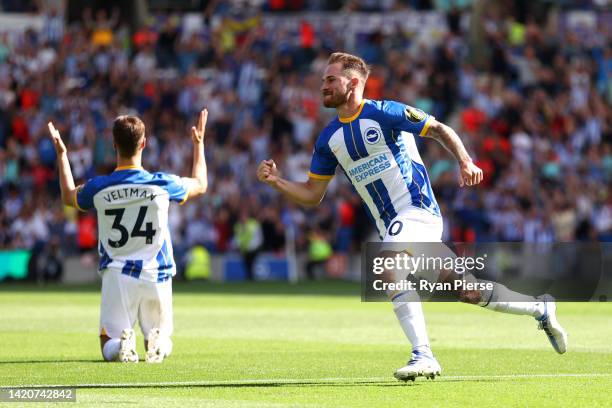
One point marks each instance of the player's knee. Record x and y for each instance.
(388, 274)
(469, 296)
(387, 254)
(384, 255)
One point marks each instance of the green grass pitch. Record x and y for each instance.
(317, 345)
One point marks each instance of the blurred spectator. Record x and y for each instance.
(319, 251)
(248, 235)
(87, 235)
(46, 264)
(101, 27)
(198, 263)
(273, 231)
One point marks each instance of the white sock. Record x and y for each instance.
(110, 351)
(168, 347)
(499, 297)
(518, 308)
(409, 311)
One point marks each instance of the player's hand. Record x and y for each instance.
(58, 143)
(470, 174)
(267, 172)
(197, 132)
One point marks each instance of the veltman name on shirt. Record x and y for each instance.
(370, 168)
(127, 192)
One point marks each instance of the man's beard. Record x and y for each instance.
(336, 99)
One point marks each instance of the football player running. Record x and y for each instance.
(374, 144)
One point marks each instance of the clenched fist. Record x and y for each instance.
(268, 173)
(470, 174)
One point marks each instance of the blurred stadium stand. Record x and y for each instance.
(527, 85)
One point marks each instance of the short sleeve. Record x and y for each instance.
(406, 118)
(85, 194)
(175, 186)
(323, 164)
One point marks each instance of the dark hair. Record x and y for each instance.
(350, 62)
(128, 132)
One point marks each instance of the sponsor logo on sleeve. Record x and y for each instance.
(414, 115)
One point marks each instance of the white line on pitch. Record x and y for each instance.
(298, 381)
(510, 376)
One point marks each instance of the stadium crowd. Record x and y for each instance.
(531, 101)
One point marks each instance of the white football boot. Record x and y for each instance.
(421, 364)
(548, 322)
(127, 348)
(158, 347)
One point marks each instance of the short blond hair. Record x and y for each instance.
(350, 62)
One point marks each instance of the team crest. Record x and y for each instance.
(372, 135)
(414, 114)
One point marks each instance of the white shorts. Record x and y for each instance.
(415, 225)
(418, 233)
(125, 299)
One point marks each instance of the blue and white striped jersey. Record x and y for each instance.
(132, 206)
(377, 151)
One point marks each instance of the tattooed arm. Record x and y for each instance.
(470, 173)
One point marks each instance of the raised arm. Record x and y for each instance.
(470, 173)
(198, 182)
(307, 194)
(65, 173)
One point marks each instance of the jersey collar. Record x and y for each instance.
(129, 167)
(352, 118)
